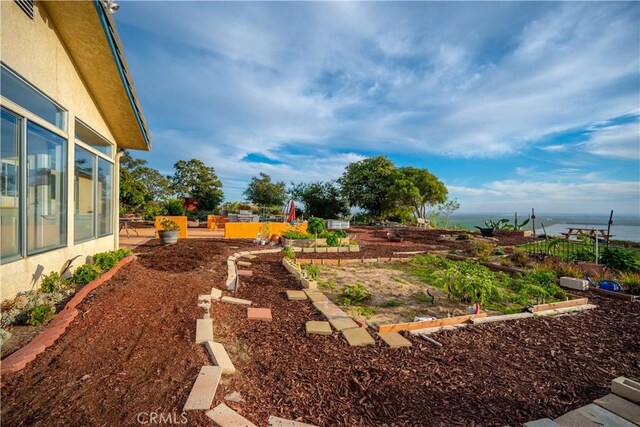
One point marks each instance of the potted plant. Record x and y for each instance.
(169, 233)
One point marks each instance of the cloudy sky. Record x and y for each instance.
(513, 105)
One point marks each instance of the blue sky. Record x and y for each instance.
(513, 105)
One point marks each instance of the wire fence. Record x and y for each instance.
(566, 250)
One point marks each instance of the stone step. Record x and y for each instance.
(342, 323)
(318, 328)
(220, 357)
(621, 407)
(205, 297)
(281, 422)
(317, 297)
(358, 337)
(394, 339)
(231, 300)
(224, 416)
(204, 331)
(542, 422)
(592, 415)
(329, 309)
(263, 314)
(296, 295)
(216, 294)
(243, 263)
(245, 273)
(204, 389)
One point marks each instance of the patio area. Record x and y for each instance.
(140, 236)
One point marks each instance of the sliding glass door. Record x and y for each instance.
(10, 186)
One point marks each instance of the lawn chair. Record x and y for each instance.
(422, 223)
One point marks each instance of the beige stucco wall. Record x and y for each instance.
(33, 49)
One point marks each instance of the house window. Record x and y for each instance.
(84, 209)
(105, 197)
(10, 186)
(46, 185)
(17, 90)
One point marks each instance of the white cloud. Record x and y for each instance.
(620, 141)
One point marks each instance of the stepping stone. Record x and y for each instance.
(224, 416)
(592, 415)
(318, 297)
(358, 337)
(259, 314)
(249, 256)
(394, 339)
(245, 273)
(342, 323)
(232, 300)
(621, 407)
(329, 309)
(318, 328)
(542, 422)
(216, 294)
(204, 298)
(220, 357)
(204, 331)
(296, 295)
(243, 263)
(312, 291)
(281, 422)
(204, 389)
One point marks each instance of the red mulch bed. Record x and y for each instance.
(134, 348)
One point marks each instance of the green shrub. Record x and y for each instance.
(85, 274)
(464, 236)
(341, 234)
(363, 311)
(123, 253)
(169, 225)
(106, 260)
(52, 282)
(355, 294)
(313, 271)
(620, 260)
(296, 234)
(315, 225)
(481, 249)
(630, 282)
(329, 285)
(520, 258)
(40, 314)
(392, 303)
(332, 239)
(499, 251)
(174, 207)
(153, 209)
(288, 252)
(583, 252)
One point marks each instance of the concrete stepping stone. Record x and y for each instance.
(220, 357)
(312, 291)
(224, 416)
(204, 331)
(243, 263)
(249, 256)
(342, 323)
(263, 314)
(204, 389)
(317, 297)
(542, 422)
(232, 300)
(358, 337)
(281, 422)
(296, 295)
(318, 328)
(592, 415)
(624, 387)
(245, 273)
(621, 407)
(329, 309)
(216, 294)
(206, 297)
(394, 339)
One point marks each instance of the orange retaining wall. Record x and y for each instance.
(250, 230)
(180, 220)
(216, 221)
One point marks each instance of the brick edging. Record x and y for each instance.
(18, 360)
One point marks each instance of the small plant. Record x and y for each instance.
(505, 262)
(123, 253)
(583, 252)
(355, 294)
(630, 282)
(40, 314)
(315, 225)
(169, 225)
(499, 251)
(288, 253)
(464, 236)
(106, 260)
(174, 207)
(481, 250)
(501, 224)
(52, 282)
(85, 274)
(313, 271)
(341, 234)
(518, 226)
(329, 285)
(616, 259)
(520, 258)
(567, 269)
(332, 239)
(295, 234)
(363, 311)
(392, 303)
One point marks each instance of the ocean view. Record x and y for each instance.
(625, 227)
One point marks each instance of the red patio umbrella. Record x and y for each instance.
(292, 212)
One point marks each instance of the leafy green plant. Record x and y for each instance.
(106, 260)
(169, 225)
(501, 224)
(630, 282)
(464, 236)
(341, 234)
(583, 252)
(332, 239)
(363, 311)
(123, 253)
(40, 314)
(52, 282)
(518, 226)
(481, 249)
(329, 285)
(499, 251)
(355, 294)
(85, 274)
(520, 258)
(620, 260)
(288, 252)
(392, 303)
(174, 207)
(313, 271)
(315, 225)
(296, 234)
(566, 269)
(471, 282)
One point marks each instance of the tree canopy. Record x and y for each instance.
(417, 189)
(321, 199)
(366, 184)
(194, 179)
(263, 192)
(140, 184)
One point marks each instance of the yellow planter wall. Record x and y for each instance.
(250, 230)
(180, 220)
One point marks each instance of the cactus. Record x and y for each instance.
(498, 225)
(518, 226)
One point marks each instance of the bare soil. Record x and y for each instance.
(132, 351)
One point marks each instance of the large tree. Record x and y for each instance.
(263, 192)
(194, 179)
(321, 199)
(140, 184)
(366, 185)
(417, 189)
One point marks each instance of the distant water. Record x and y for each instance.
(625, 227)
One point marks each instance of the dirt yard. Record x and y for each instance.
(132, 351)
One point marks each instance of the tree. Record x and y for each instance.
(139, 184)
(447, 208)
(418, 189)
(366, 184)
(321, 199)
(196, 180)
(263, 192)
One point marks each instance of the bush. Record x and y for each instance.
(464, 236)
(315, 225)
(313, 271)
(499, 251)
(566, 269)
(481, 249)
(584, 252)
(106, 260)
(123, 253)
(520, 258)
(392, 303)
(288, 252)
(40, 314)
(169, 225)
(332, 239)
(296, 234)
(329, 285)
(174, 207)
(355, 294)
(630, 282)
(52, 282)
(617, 259)
(341, 234)
(153, 209)
(85, 274)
